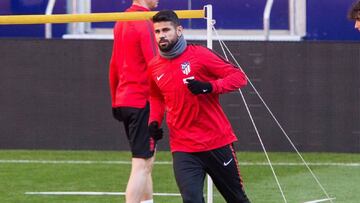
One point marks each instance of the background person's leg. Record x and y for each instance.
(148, 192)
(142, 148)
(138, 183)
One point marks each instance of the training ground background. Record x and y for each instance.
(54, 94)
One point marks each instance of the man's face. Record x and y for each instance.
(357, 24)
(152, 3)
(166, 34)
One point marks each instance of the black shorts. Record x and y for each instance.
(136, 126)
(222, 166)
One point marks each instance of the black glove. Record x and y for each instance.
(198, 87)
(113, 112)
(116, 114)
(155, 131)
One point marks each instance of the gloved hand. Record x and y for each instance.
(113, 112)
(116, 114)
(155, 131)
(198, 87)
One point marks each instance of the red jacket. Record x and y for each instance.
(196, 122)
(134, 46)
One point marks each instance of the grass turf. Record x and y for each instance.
(340, 181)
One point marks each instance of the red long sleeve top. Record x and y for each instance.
(134, 46)
(196, 122)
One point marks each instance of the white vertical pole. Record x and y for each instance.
(266, 18)
(87, 28)
(70, 9)
(49, 10)
(80, 8)
(292, 17)
(300, 17)
(209, 26)
(77, 7)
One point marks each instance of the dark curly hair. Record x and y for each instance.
(354, 13)
(166, 15)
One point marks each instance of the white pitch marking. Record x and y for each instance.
(320, 200)
(94, 193)
(169, 163)
(64, 162)
(300, 164)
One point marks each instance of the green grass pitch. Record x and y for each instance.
(21, 171)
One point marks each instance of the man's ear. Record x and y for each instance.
(179, 30)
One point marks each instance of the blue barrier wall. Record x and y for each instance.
(23, 7)
(326, 20)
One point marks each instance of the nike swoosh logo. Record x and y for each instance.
(227, 163)
(160, 76)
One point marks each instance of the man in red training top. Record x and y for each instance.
(186, 81)
(134, 46)
(354, 14)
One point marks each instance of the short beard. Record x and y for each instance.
(168, 47)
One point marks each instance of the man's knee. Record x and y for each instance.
(140, 164)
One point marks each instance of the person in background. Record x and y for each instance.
(134, 46)
(354, 14)
(186, 81)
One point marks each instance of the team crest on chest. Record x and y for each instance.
(185, 68)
